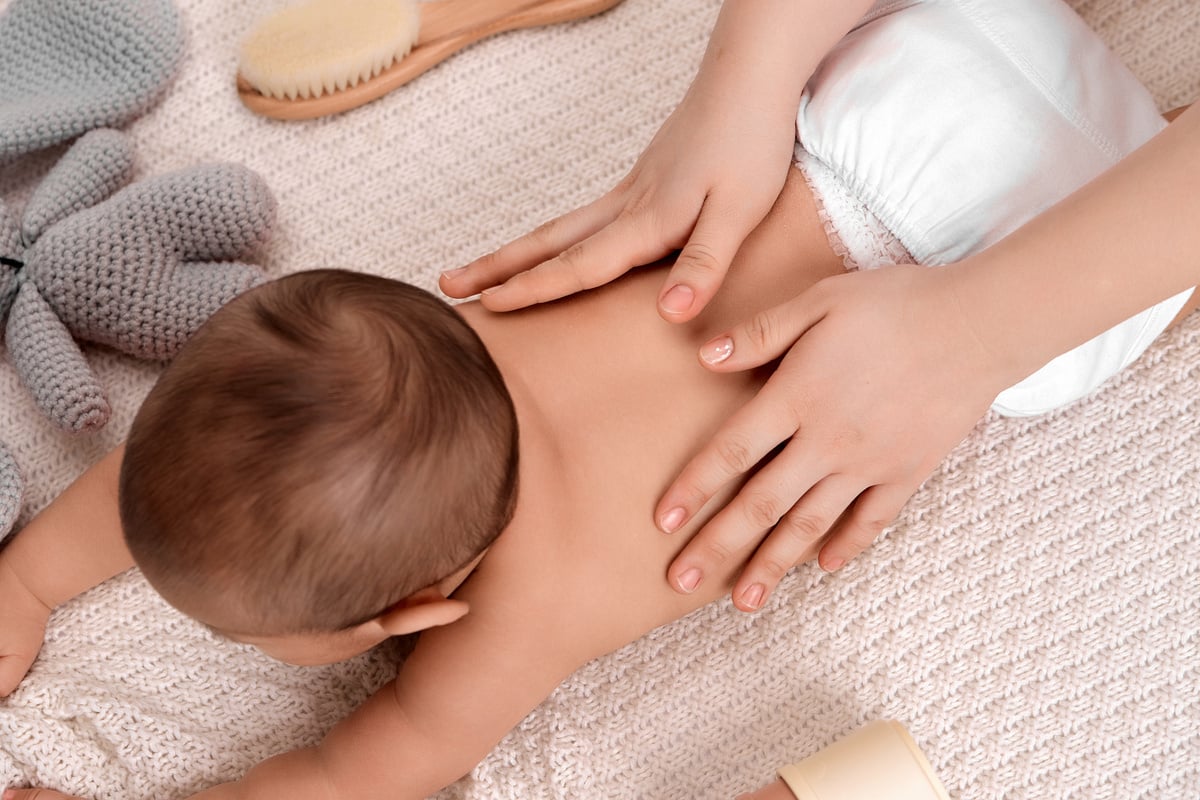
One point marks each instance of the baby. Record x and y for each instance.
(352, 457)
(360, 461)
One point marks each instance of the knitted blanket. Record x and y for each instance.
(1032, 617)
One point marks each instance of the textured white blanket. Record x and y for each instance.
(1034, 616)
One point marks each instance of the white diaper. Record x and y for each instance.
(950, 123)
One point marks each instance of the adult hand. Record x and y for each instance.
(706, 180)
(882, 377)
(23, 620)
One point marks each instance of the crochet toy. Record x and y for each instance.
(10, 491)
(70, 66)
(138, 267)
(138, 270)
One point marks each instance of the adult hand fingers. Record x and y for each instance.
(540, 244)
(704, 261)
(773, 416)
(765, 336)
(874, 510)
(754, 511)
(794, 539)
(35, 794)
(742, 441)
(612, 251)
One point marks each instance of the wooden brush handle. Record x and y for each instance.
(444, 18)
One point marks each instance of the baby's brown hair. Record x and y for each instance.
(326, 445)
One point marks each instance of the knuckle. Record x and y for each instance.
(762, 510)
(630, 213)
(716, 551)
(734, 453)
(876, 524)
(547, 231)
(636, 220)
(699, 258)
(867, 530)
(873, 518)
(645, 216)
(574, 263)
(802, 528)
(639, 202)
(693, 497)
(534, 289)
(760, 330)
(775, 568)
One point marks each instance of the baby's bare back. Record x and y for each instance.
(612, 402)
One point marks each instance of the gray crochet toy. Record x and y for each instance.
(138, 272)
(10, 491)
(138, 268)
(70, 66)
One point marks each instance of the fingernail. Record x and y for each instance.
(689, 580)
(834, 564)
(491, 290)
(672, 520)
(678, 300)
(717, 350)
(454, 273)
(753, 597)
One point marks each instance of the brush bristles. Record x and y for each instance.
(326, 46)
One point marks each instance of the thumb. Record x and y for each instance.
(702, 264)
(764, 337)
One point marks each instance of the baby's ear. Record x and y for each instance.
(424, 609)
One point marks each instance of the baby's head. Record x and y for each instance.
(331, 448)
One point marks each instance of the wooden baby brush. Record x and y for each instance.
(328, 56)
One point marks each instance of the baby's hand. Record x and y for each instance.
(707, 179)
(22, 628)
(35, 794)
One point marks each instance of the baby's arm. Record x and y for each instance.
(461, 691)
(463, 688)
(73, 545)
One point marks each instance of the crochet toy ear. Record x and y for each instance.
(51, 366)
(11, 488)
(97, 165)
(118, 274)
(72, 65)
